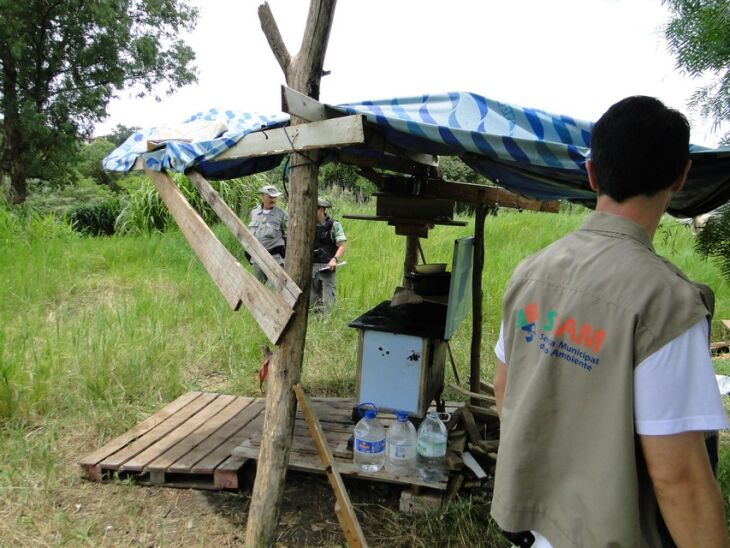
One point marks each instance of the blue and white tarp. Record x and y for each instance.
(525, 150)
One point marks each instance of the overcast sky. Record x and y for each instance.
(573, 57)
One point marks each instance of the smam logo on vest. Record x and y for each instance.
(566, 339)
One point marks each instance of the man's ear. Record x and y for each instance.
(679, 183)
(591, 176)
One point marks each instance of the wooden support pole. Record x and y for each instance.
(476, 295)
(303, 72)
(343, 507)
(411, 259)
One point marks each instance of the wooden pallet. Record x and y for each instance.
(203, 440)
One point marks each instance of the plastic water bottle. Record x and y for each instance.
(369, 443)
(431, 447)
(400, 446)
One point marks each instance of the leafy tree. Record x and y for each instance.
(345, 177)
(699, 36)
(62, 61)
(714, 240)
(90, 158)
(120, 133)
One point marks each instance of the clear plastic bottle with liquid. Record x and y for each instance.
(369, 443)
(400, 446)
(431, 447)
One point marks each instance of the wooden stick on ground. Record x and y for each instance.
(343, 507)
(472, 395)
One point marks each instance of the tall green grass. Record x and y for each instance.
(98, 333)
(145, 211)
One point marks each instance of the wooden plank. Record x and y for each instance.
(488, 195)
(305, 445)
(223, 425)
(467, 393)
(485, 414)
(172, 436)
(393, 220)
(116, 460)
(310, 109)
(350, 469)
(142, 428)
(226, 473)
(385, 161)
(338, 132)
(276, 275)
(237, 285)
(305, 107)
(345, 511)
(191, 434)
(413, 207)
(233, 433)
(471, 427)
(306, 462)
(486, 388)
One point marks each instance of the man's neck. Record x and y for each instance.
(646, 211)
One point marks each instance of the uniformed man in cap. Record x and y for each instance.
(268, 225)
(329, 246)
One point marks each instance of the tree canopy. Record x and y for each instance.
(62, 61)
(699, 36)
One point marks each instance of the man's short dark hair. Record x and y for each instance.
(639, 146)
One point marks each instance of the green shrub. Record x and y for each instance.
(337, 178)
(46, 198)
(97, 218)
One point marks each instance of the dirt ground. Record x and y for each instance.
(120, 513)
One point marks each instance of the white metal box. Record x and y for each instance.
(401, 356)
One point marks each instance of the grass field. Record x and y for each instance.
(98, 333)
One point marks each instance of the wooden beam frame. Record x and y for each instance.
(488, 195)
(298, 104)
(238, 286)
(276, 275)
(338, 132)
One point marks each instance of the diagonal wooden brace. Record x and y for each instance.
(277, 276)
(238, 286)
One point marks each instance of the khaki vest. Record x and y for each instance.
(269, 229)
(578, 317)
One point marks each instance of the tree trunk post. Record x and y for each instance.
(303, 73)
(476, 292)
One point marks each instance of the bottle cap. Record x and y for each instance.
(402, 416)
(370, 414)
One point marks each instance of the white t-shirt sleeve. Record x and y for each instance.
(499, 347)
(675, 388)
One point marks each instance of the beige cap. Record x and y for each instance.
(271, 190)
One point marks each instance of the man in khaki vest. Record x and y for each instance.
(604, 381)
